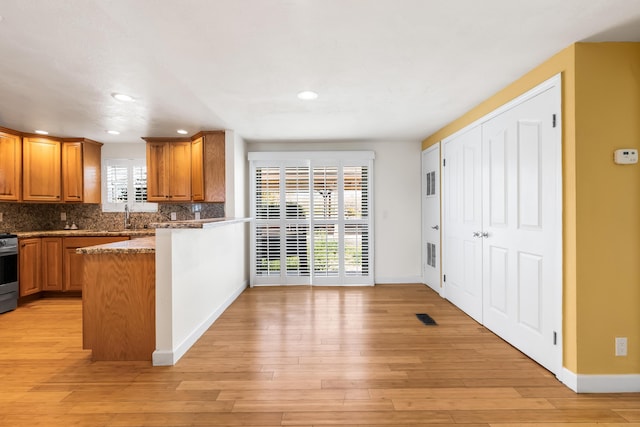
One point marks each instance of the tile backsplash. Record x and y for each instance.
(46, 216)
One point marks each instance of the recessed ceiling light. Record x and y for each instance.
(113, 132)
(307, 95)
(41, 132)
(123, 97)
(182, 132)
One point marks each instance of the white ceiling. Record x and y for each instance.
(384, 69)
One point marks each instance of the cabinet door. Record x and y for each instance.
(208, 167)
(180, 172)
(214, 168)
(10, 166)
(29, 270)
(51, 263)
(157, 171)
(91, 172)
(72, 171)
(73, 269)
(197, 172)
(41, 165)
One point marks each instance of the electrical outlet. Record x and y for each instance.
(1, 215)
(621, 346)
(173, 216)
(63, 216)
(197, 215)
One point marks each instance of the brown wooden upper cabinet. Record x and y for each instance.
(207, 167)
(10, 166)
(41, 169)
(81, 174)
(168, 170)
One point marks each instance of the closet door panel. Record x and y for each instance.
(521, 144)
(462, 221)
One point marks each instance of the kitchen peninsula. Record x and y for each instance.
(152, 298)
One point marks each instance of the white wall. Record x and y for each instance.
(397, 209)
(236, 176)
(125, 151)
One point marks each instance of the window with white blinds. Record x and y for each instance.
(124, 182)
(311, 218)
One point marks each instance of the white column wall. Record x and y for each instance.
(199, 273)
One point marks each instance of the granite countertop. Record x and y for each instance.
(199, 223)
(85, 233)
(141, 245)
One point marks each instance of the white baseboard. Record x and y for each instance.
(162, 358)
(169, 358)
(397, 280)
(583, 383)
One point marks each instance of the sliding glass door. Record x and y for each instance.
(312, 222)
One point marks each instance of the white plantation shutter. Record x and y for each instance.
(267, 217)
(117, 181)
(125, 183)
(312, 222)
(139, 176)
(296, 220)
(356, 216)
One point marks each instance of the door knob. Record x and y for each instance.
(435, 227)
(485, 234)
(477, 234)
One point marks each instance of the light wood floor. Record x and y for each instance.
(295, 357)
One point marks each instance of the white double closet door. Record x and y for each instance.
(502, 223)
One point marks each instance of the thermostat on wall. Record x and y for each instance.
(626, 156)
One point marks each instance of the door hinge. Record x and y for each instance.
(444, 277)
(555, 338)
(444, 162)
(554, 120)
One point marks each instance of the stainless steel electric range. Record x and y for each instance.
(8, 272)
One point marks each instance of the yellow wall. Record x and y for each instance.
(608, 206)
(601, 201)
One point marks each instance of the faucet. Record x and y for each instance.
(127, 217)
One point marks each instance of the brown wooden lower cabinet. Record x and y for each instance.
(74, 263)
(52, 264)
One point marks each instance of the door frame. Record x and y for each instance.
(425, 153)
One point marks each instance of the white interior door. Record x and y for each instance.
(522, 226)
(431, 217)
(462, 221)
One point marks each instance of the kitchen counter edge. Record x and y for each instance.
(84, 233)
(199, 223)
(141, 245)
